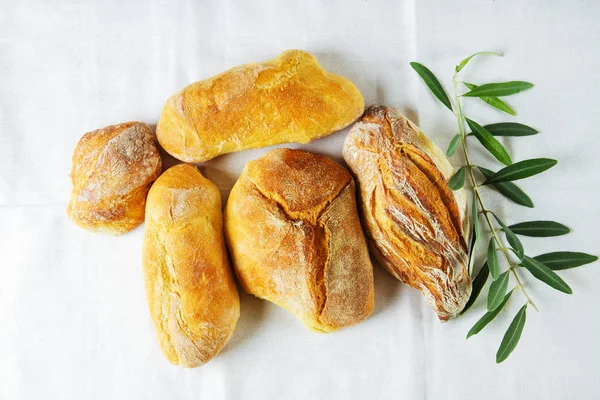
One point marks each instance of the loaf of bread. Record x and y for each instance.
(113, 169)
(415, 224)
(190, 289)
(295, 239)
(286, 99)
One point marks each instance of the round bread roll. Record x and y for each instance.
(294, 235)
(190, 289)
(113, 169)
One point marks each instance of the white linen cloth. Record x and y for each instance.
(73, 318)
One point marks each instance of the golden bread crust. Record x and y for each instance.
(191, 293)
(287, 99)
(416, 226)
(113, 169)
(294, 235)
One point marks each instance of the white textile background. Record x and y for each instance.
(73, 318)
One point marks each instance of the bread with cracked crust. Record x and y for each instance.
(113, 169)
(190, 289)
(290, 98)
(416, 226)
(294, 235)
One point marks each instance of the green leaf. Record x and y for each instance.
(492, 259)
(454, 143)
(545, 274)
(489, 142)
(499, 89)
(458, 179)
(510, 129)
(509, 189)
(512, 239)
(559, 260)
(432, 83)
(464, 62)
(539, 229)
(476, 230)
(497, 291)
(488, 317)
(521, 170)
(478, 284)
(493, 101)
(512, 335)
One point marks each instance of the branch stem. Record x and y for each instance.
(460, 118)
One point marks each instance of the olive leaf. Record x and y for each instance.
(458, 179)
(539, 229)
(512, 239)
(453, 146)
(464, 62)
(546, 275)
(510, 129)
(521, 170)
(512, 335)
(477, 285)
(499, 89)
(559, 260)
(489, 142)
(497, 291)
(432, 83)
(488, 317)
(492, 259)
(509, 189)
(493, 101)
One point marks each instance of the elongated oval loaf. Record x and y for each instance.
(113, 169)
(292, 227)
(415, 224)
(192, 297)
(287, 99)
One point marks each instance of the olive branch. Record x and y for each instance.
(516, 261)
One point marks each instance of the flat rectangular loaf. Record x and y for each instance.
(287, 99)
(191, 293)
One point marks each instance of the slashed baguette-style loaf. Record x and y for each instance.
(113, 169)
(295, 238)
(190, 289)
(287, 99)
(416, 225)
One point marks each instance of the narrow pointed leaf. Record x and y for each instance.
(478, 284)
(499, 89)
(510, 129)
(521, 170)
(493, 101)
(432, 83)
(454, 143)
(512, 335)
(475, 218)
(497, 291)
(539, 229)
(488, 317)
(545, 274)
(476, 231)
(458, 179)
(464, 62)
(512, 239)
(489, 142)
(472, 244)
(509, 189)
(492, 259)
(565, 259)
